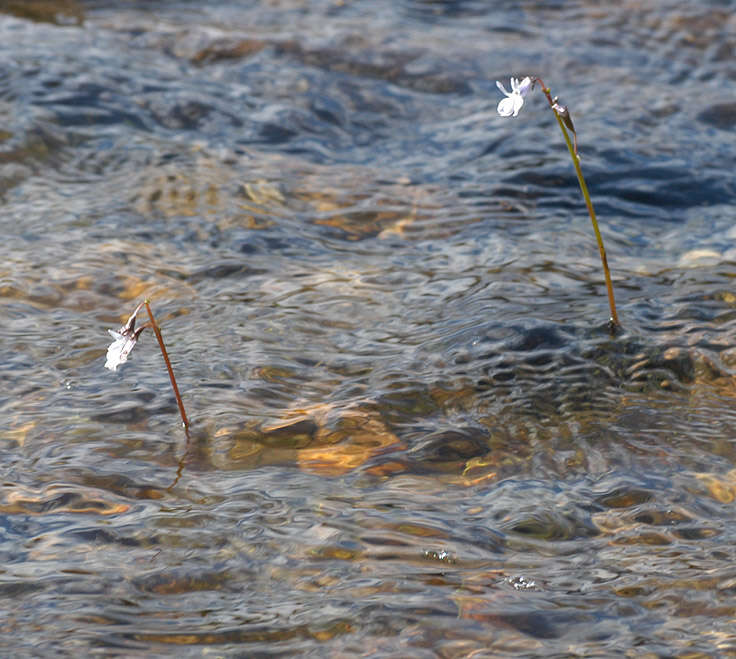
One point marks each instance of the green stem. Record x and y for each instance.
(614, 323)
(161, 345)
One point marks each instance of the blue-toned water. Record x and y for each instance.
(412, 433)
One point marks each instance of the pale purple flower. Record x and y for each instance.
(125, 339)
(510, 106)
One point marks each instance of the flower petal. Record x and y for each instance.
(518, 101)
(120, 348)
(525, 85)
(118, 351)
(502, 88)
(507, 106)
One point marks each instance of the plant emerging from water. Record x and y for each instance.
(509, 107)
(125, 340)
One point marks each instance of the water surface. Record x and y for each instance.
(412, 433)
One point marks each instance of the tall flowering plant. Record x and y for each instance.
(510, 106)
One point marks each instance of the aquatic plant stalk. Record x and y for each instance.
(165, 354)
(510, 106)
(560, 114)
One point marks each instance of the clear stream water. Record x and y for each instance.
(412, 434)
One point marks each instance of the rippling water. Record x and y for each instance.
(412, 432)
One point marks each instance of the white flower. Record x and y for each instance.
(511, 105)
(125, 339)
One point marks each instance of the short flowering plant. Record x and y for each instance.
(126, 339)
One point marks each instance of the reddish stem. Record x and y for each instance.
(161, 345)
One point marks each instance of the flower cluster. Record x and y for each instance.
(510, 106)
(125, 339)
